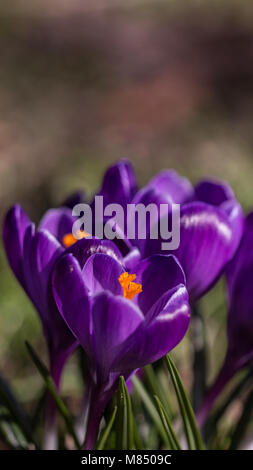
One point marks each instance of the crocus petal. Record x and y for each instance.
(119, 184)
(157, 335)
(177, 188)
(164, 189)
(71, 297)
(240, 331)
(58, 222)
(120, 241)
(153, 197)
(32, 256)
(132, 259)
(86, 247)
(243, 257)
(41, 250)
(101, 272)
(237, 221)
(14, 228)
(157, 274)
(206, 237)
(146, 196)
(220, 194)
(239, 281)
(213, 192)
(205, 245)
(114, 319)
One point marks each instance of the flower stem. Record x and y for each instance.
(226, 373)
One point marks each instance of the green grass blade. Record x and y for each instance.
(151, 380)
(155, 384)
(130, 419)
(52, 390)
(121, 421)
(174, 443)
(106, 432)
(124, 422)
(191, 430)
(151, 409)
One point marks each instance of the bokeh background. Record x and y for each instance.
(85, 82)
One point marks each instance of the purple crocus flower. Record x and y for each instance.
(32, 254)
(212, 223)
(240, 325)
(123, 320)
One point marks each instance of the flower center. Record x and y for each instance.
(69, 239)
(130, 288)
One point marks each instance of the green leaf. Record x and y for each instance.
(52, 390)
(156, 386)
(151, 380)
(130, 419)
(172, 438)
(137, 413)
(191, 430)
(151, 409)
(9, 401)
(106, 432)
(124, 422)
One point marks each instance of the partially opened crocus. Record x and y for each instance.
(32, 254)
(240, 319)
(123, 319)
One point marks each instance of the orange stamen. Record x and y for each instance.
(69, 239)
(130, 288)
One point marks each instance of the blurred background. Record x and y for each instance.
(83, 83)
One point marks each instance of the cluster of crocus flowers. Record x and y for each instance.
(211, 227)
(125, 302)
